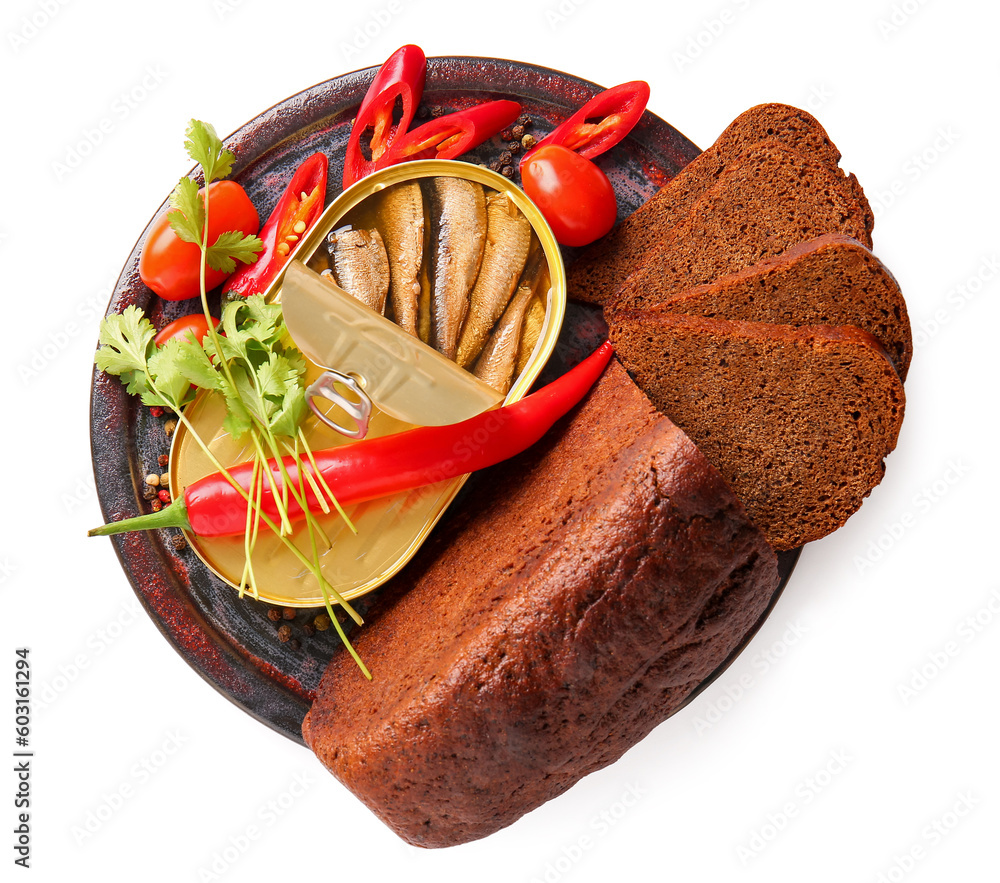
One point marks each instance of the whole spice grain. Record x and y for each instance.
(169, 427)
(274, 614)
(322, 622)
(178, 542)
(284, 633)
(162, 460)
(288, 613)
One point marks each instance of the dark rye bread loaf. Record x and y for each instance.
(600, 270)
(767, 201)
(545, 629)
(797, 420)
(829, 280)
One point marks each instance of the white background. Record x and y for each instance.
(806, 760)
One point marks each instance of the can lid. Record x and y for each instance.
(401, 374)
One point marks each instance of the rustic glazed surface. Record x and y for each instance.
(232, 643)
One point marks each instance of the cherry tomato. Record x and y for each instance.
(194, 326)
(575, 196)
(171, 266)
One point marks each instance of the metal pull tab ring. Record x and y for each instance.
(359, 411)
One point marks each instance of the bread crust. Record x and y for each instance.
(763, 204)
(547, 629)
(830, 280)
(599, 271)
(798, 420)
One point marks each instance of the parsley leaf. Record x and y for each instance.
(231, 247)
(171, 385)
(285, 421)
(187, 215)
(194, 363)
(125, 339)
(204, 146)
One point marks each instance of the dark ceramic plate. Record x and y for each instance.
(233, 644)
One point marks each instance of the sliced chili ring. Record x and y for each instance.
(602, 122)
(399, 80)
(453, 134)
(297, 210)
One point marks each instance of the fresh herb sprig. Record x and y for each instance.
(253, 366)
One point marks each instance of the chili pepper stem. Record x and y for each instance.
(174, 515)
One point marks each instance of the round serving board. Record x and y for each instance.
(233, 643)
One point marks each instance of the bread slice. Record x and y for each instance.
(600, 270)
(797, 420)
(829, 280)
(554, 619)
(769, 200)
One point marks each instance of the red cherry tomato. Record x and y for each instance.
(575, 196)
(194, 326)
(171, 266)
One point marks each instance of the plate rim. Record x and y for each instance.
(265, 693)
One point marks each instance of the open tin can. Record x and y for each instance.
(367, 377)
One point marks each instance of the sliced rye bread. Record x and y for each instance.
(797, 420)
(769, 200)
(598, 272)
(829, 280)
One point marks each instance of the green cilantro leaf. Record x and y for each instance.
(271, 377)
(125, 340)
(291, 413)
(230, 247)
(204, 146)
(171, 384)
(237, 421)
(187, 215)
(194, 363)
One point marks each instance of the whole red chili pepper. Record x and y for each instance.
(381, 466)
(453, 134)
(602, 122)
(297, 210)
(400, 78)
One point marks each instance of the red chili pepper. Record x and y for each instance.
(453, 134)
(381, 466)
(400, 78)
(602, 122)
(301, 203)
